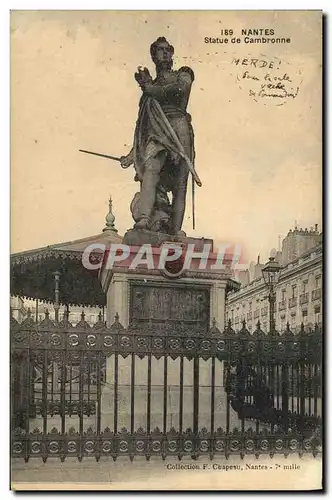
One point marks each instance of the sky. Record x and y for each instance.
(73, 87)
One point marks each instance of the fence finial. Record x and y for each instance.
(82, 315)
(229, 330)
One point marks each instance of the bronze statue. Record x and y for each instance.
(163, 147)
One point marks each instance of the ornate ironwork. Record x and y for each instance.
(58, 371)
(168, 340)
(173, 443)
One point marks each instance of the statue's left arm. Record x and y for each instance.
(181, 85)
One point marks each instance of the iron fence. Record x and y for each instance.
(97, 391)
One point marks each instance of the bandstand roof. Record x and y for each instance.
(32, 271)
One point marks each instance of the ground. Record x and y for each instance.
(305, 473)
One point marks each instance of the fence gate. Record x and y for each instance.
(152, 390)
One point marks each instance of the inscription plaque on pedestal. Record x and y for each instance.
(178, 307)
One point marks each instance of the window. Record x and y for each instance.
(293, 291)
(305, 286)
(318, 316)
(250, 306)
(318, 281)
(283, 295)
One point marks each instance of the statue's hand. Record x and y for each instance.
(143, 77)
(126, 161)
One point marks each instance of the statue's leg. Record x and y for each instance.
(179, 196)
(151, 178)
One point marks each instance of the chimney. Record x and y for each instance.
(258, 259)
(316, 228)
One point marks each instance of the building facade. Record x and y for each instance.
(297, 242)
(18, 309)
(298, 297)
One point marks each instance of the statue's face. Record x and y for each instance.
(163, 52)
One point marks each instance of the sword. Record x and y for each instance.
(116, 158)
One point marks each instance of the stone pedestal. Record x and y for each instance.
(119, 295)
(195, 299)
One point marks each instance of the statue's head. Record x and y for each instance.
(162, 52)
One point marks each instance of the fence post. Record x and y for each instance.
(285, 394)
(196, 394)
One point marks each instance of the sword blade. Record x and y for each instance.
(116, 158)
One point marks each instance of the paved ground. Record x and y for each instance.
(300, 474)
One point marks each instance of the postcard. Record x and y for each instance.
(166, 250)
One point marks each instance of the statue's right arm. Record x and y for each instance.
(131, 154)
(128, 160)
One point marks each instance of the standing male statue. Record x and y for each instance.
(163, 147)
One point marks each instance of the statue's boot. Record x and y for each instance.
(143, 223)
(180, 234)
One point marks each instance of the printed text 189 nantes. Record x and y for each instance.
(260, 35)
